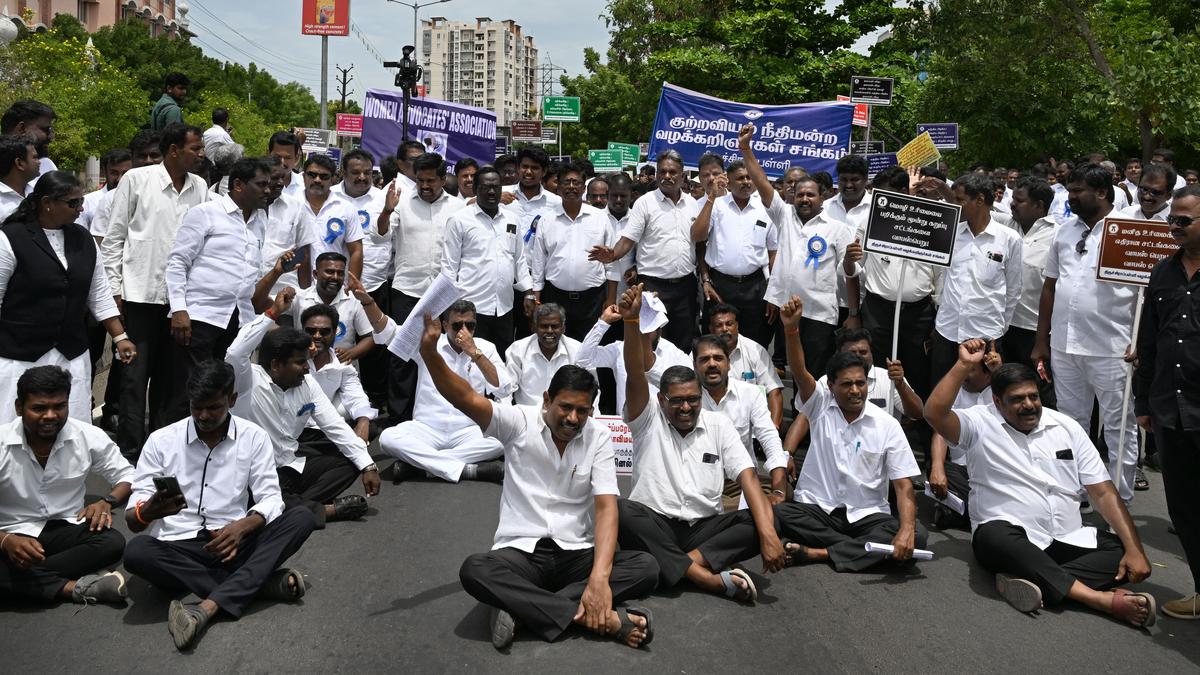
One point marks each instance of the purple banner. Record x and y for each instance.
(452, 130)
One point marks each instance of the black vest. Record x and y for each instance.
(45, 306)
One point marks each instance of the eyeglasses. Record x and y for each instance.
(317, 175)
(1180, 221)
(678, 401)
(313, 330)
(73, 203)
(459, 325)
(1153, 192)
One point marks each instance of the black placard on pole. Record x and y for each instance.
(911, 227)
(872, 90)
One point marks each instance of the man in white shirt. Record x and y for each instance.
(682, 455)
(620, 196)
(532, 361)
(440, 439)
(851, 206)
(1133, 176)
(206, 538)
(659, 355)
(339, 381)
(534, 200)
(1153, 194)
(812, 254)
(1028, 466)
(1085, 326)
(554, 561)
(464, 175)
(748, 360)
(279, 394)
(983, 285)
(948, 465)
(857, 450)
(740, 250)
(212, 271)
(1121, 199)
(115, 164)
(287, 230)
(353, 337)
(334, 220)
(146, 212)
(1161, 157)
(484, 251)
(18, 169)
(659, 227)
(218, 134)
(1030, 204)
(559, 264)
(413, 221)
(29, 117)
(45, 459)
(356, 187)
(287, 147)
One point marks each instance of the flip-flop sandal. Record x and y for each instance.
(794, 557)
(1022, 594)
(628, 626)
(278, 588)
(1124, 611)
(747, 594)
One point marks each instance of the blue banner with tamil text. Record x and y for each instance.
(452, 130)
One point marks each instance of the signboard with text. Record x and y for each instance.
(560, 108)
(549, 134)
(911, 227)
(631, 153)
(862, 112)
(501, 145)
(606, 161)
(528, 131)
(867, 147)
(317, 139)
(871, 90)
(325, 17)
(622, 442)
(452, 130)
(944, 135)
(879, 162)
(349, 125)
(1130, 248)
(920, 151)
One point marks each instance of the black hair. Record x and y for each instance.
(388, 169)
(893, 178)
(320, 309)
(401, 150)
(358, 153)
(281, 344)
(933, 172)
(596, 179)
(24, 110)
(14, 147)
(210, 379)
(220, 116)
(853, 164)
(43, 380)
(589, 168)
(844, 336)
(329, 255)
(176, 80)
(1133, 160)
(709, 340)
(464, 164)
(553, 170)
(483, 171)
(324, 161)
(1167, 155)
(176, 134)
(676, 375)
(246, 168)
(573, 378)
(114, 156)
(459, 307)
(146, 138)
(1008, 375)
(53, 185)
(283, 138)
(1164, 170)
(735, 165)
(572, 167)
(1039, 190)
(535, 155)
(429, 161)
(711, 158)
(504, 160)
(724, 308)
(982, 185)
(1187, 191)
(841, 361)
(824, 179)
(619, 181)
(1096, 176)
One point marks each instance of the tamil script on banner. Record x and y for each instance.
(810, 135)
(452, 130)
(911, 227)
(1131, 247)
(920, 151)
(622, 442)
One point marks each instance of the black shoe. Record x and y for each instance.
(402, 471)
(492, 472)
(349, 507)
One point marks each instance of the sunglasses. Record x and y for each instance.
(1153, 192)
(678, 401)
(1081, 245)
(316, 175)
(459, 325)
(73, 203)
(313, 330)
(1180, 221)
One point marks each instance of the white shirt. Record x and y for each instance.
(333, 227)
(739, 240)
(377, 251)
(683, 477)
(1121, 201)
(92, 203)
(213, 138)
(814, 279)
(287, 230)
(531, 371)
(662, 230)
(1020, 479)
(983, 284)
(295, 188)
(544, 203)
(416, 229)
(746, 407)
(100, 300)
(749, 362)
(216, 482)
(342, 387)
(31, 495)
(880, 391)
(851, 464)
(618, 268)
(962, 401)
(1091, 317)
(352, 320)
(283, 413)
(559, 250)
(145, 215)
(547, 495)
(1035, 248)
(214, 265)
(592, 354)
(881, 275)
(10, 199)
(1135, 211)
(856, 216)
(486, 256)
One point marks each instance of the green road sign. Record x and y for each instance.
(560, 108)
(630, 152)
(606, 161)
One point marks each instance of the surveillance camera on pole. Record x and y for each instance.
(406, 80)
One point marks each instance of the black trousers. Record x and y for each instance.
(402, 380)
(542, 589)
(582, 307)
(150, 330)
(1002, 547)
(746, 293)
(97, 339)
(1179, 453)
(679, 296)
(498, 329)
(958, 480)
(817, 339)
(373, 367)
(943, 354)
(723, 539)
(327, 474)
(916, 322)
(208, 342)
(1016, 348)
(808, 524)
(520, 322)
(71, 552)
(185, 565)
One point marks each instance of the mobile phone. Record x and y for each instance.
(292, 264)
(169, 485)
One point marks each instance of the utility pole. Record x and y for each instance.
(324, 81)
(344, 77)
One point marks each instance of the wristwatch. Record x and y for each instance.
(370, 467)
(852, 311)
(112, 501)
(475, 356)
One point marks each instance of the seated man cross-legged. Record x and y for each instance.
(682, 455)
(554, 561)
(857, 448)
(1028, 467)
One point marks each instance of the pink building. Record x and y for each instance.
(160, 16)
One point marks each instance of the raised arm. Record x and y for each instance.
(757, 175)
(637, 387)
(591, 353)
(938, 409)
(790, 314)
(457, 391)
(242, 349)
(717, 187)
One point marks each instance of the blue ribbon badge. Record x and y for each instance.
(341, 331)
(816, 248)
(306, 408)
(365, 221)
(334, 228)
(532, 228)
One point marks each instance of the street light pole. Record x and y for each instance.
(416, 6)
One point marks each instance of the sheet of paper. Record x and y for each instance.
(952, 501)
(653, 314)
(886, 549)
(442, 293)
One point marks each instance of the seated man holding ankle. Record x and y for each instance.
(554, 561)
(841, 498)
(206, 538)
(52, 546)
(682, 455)
(1028, 467)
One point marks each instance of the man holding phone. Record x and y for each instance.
(200, 534)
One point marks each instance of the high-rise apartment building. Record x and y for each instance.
(486, 64)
